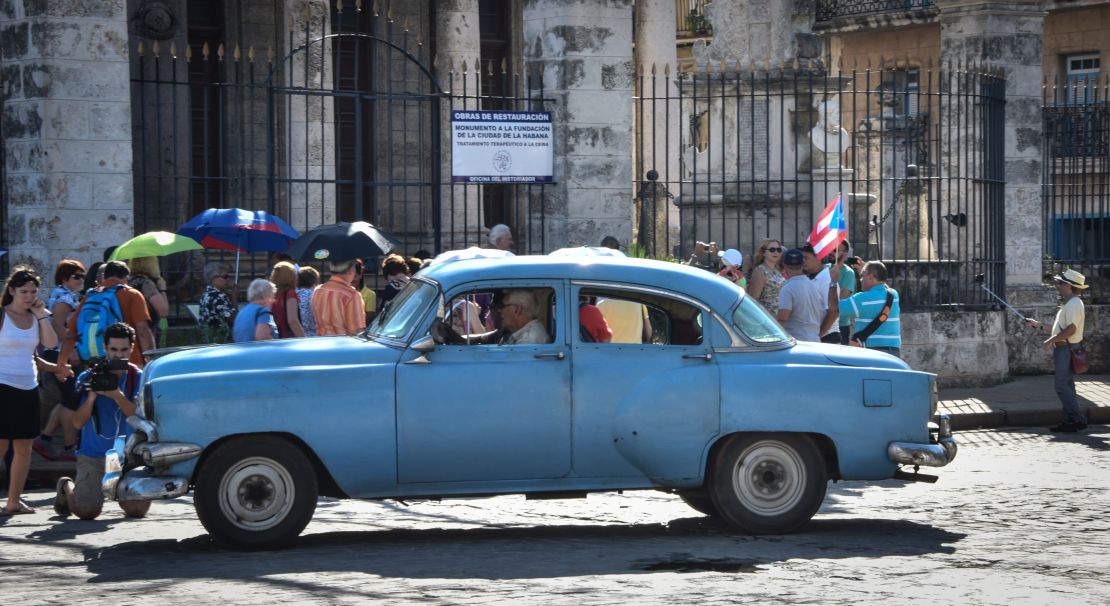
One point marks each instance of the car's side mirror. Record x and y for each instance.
(423, 345)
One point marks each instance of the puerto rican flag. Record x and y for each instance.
(830, 229)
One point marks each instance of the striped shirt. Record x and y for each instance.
(865, 306)
(338, 309)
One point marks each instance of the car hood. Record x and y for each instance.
(263, 355)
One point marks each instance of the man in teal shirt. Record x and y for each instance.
(867, 304)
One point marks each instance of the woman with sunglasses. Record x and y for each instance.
(216, 310)
(24, 326)
(767, 277)
(69, 277)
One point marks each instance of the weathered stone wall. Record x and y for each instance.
(964, 348)
(67, 128)
(585, 51)
(1085, 30)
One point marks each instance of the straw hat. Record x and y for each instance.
(1073, 278)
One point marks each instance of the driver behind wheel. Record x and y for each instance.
(101, 417)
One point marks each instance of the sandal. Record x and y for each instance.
(23, 509)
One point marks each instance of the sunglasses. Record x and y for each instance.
(77, 277)
(224, 276)
(774, 249)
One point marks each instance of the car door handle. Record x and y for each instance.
(558, 355)
(705, 356)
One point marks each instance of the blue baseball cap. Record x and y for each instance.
(793, 257)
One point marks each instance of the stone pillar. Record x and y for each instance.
(458, 44)
(67, 129)
(760, 30)
(657, 145)
(310, 120)
(584, 50)
(1009, 36)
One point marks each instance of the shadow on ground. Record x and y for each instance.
(688, 544)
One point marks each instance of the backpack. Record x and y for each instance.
(99, 311)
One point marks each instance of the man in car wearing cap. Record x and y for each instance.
(1066, 332)
(800, 311)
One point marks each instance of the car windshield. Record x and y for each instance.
(405, 310)
(757, 324)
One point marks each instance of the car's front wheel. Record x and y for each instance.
(255, 492)
(768, 483)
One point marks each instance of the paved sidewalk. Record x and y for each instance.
(1025, 401)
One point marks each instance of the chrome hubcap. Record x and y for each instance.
(256, 494)
(769, 478)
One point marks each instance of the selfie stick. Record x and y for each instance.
(979, 278)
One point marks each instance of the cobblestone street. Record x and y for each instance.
(1018, 518)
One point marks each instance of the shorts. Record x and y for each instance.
(19, 413)
(52, 391)
(86, 488)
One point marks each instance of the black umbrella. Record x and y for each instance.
(342, 242)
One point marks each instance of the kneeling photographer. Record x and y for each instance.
(106, 392)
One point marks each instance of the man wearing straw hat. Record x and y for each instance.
(1067, 332)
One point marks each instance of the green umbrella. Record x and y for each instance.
(154, 244)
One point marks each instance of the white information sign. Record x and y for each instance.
(501, 147)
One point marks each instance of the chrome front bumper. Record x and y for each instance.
(935, 454)
(123, 482)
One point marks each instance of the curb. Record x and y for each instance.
(1096, 415)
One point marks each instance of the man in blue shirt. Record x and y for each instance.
(867, 304)
(101, 417)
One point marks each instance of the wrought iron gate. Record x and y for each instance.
(739, 154)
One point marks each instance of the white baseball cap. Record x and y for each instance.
(731, 257)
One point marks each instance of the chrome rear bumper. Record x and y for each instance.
(935, 454)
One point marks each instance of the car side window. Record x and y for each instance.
(503, 316)
(631, 318)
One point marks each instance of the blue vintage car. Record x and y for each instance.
(697, 392)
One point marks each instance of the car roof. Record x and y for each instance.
(706, 286)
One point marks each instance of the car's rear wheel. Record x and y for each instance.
(768, 483)
(698, 499)
(255, 492)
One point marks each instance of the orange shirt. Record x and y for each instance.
(338, 308)
(132, 304)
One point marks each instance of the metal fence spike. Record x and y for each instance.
(220, 52)
(250, 53)
(270, 55)
(204, 51)
(503, 66)
(653, 69)
(464, 66)
(374, 9)
(489, 67)
(358, 6)
(339, 5)
(173, 49)
(188, 53)
(666, 70)
(139, 48)
(236, 54)
(154, 48)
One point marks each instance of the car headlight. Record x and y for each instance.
(144, 405)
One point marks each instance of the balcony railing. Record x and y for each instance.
(1078, 131)
(690, 19)
(827, 10)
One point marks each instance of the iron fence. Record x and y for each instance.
(349, 125)
(740, 154)
(1076, 182)
(828, 10)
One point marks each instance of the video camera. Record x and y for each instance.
(100, 377)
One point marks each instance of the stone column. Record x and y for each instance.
(1009, 35)
(310, 119)
(657, 144)
(458, 46)
(584, 50)
(67, 129)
